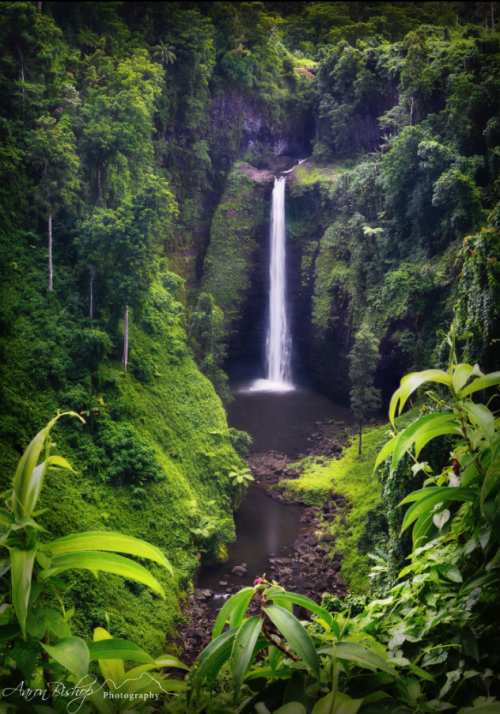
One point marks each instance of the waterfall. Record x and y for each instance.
(278, 346)
(278, 343)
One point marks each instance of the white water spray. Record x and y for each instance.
(278, 344)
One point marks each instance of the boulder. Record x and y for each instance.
(239, 570)
(326, 538)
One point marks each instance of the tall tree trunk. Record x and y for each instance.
(98, 184)
(125, 338)
(92, 276)
(47, 674)
(39, 6)
(411, 113)
(493, 19)
(360, 435)
(21, 60)
(51, 276)
(485, 18)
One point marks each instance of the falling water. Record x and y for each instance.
(278, 337)
(278, 344)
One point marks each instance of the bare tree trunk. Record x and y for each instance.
(21, 59)
(360, 435)
(51, 276)
(485, 19)
(411, 113)
(493, 19)
(98, 184)
(92, 277)
(39, 6)
(125, 338)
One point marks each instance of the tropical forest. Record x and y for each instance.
(249, 357)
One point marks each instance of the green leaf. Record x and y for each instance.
(72, 653)
(296, 635)
(492, 478)
(326, 705)
(243, 648)
(308, 604)
(461, 375)
(6, 517)
(106, 562)
(9, 632)
(113, 670)
(291, 708)
(22, 562)
(413, 381)
(118, 649)
(418, 430)
(115, 542)
(241, 599)
(25, 473)
(170, 661)
(209, 663)
(451, 572)
(26, 655)
(489, 380)
(365, 657)
(386, 451)
(430, 497)
(424, 530)
(424, 438)
(59, 461)
(482, 418)
(481, 580)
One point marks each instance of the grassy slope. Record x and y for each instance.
(176, 413)
(353, 476)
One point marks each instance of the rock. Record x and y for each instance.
(318, 423)
(339, 557)
(336, 565)
(326, 549)
(301, 456)
(326, 538)
(222, 582)
(239, 570)
(329, 516)
(320, 461)
(291, 473)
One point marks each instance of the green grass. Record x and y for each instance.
(353, 476)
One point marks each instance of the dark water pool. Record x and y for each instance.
(281, 421)
(263, 527)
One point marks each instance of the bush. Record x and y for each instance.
(133, 460)
(240, 440)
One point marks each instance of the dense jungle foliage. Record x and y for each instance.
(134, 207)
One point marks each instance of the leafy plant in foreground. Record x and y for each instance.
(29, 627)
(431, 644)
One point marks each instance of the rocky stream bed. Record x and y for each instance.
(313, 567)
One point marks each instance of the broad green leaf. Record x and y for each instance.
(22, 562)
(492, 478)
(489, 380)
(430, 497)
(424, 438)
(482, 418)
(386, 451)
(413, 381)
(308, 604)
(170, 661)
(113, 670)
(6, 518)
(351, 707)
(365, 657)
(106, 562)
(72, 653)
(209, 663)
(481, 580)
(296, 635)
(59, 461)
(424, 530)
(267, 673)
(243, 596)
(291, 708)
(115, 542)
(24, 474)
(461, 375)
(118, 649)
(441, 518)
(451, 572)
(416, 431)
(243, 647)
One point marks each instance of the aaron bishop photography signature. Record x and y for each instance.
(84, 689)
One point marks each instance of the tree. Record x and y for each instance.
(53, 149)
(164, 52)
(124, 244)
(364, 357)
